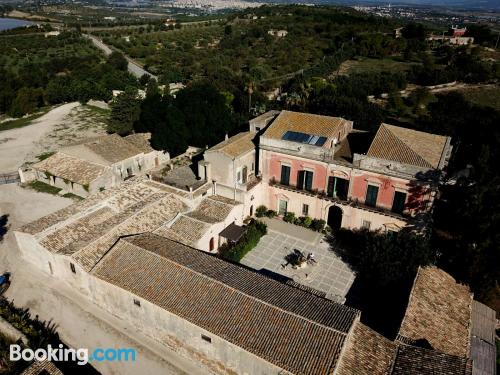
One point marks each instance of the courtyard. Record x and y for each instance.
(328, 274)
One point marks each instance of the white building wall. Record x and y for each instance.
(219, 356)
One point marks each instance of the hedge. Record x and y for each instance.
(254, 231)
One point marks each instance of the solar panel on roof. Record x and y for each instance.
(314, 140)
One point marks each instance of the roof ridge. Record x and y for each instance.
(404, 144)
(239, 290)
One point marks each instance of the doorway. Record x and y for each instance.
(335, 217)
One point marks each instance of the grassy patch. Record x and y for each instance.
(368, 65)
(487, 96)
(73, 196)
(24, 121)
(45, 155)
(42, 187)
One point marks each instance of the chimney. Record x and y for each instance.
(227, 137)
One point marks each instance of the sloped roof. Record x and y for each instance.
(236, 145)
(42, 368)
(411, 360)
(408, 146)
(140, 141)
(71, 168)
(108, 149)
(483, 346)
(439, 311)
(286, 326)
(213, 209)
(366, 353)
(307, 123)
(185, 230)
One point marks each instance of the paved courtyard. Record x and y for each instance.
(329, 275)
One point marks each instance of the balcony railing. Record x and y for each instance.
(321, 194)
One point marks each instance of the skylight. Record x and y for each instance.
(309, 139)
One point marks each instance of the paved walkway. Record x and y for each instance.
(329, 275)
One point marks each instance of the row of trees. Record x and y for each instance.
(199, 115)
(32, 79)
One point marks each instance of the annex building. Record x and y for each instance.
(99, 163)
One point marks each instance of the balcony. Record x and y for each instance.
(320, 194)
(252, 182)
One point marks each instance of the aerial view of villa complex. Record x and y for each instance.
(256, 188)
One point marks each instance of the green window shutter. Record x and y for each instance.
(371, 195)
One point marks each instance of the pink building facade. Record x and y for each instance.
(307, 165)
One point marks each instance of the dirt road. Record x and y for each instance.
(17, 144)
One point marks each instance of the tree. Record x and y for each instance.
(125, 110)
(28, 99)
(118, 61)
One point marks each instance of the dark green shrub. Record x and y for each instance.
(254, 231)
(318, 224)
(261, 211)
(271, 213)
(289, 217)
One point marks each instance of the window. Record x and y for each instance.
(129, 172)
(337, 187)
(72, 266)
(137, 302)
(366, 224)
(305, 209)
(244, 175)
(398, 204)
(206, 338)
(285, 175)
(282, 208)
(371, 195)
(238, 176)
(305, 180)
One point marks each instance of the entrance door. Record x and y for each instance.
(282, 209)
(335, 217)
(212, 244)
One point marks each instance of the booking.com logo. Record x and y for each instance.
(80, 356)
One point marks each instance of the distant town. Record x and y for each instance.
(233, 187)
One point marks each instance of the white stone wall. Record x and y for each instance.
(219, 356)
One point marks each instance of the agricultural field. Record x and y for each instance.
(371, 65)
(486, 96)
(39, 50)
(247, 45)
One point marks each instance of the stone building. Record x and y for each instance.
(314, 166)
(114, 250)
(99, 163)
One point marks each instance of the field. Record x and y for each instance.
(488, 96)
(37, 49)
(247, 45)
(369, 65)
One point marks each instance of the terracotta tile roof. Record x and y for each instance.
(366, 353)
(213, 209)
(236, 145)
(185, 230)
(411, 360)
(58, 217)
(439, 311)
(42, 368)
(71, 168)
(408, 146)
(112, 148)
(286, 326)
(307, 123)
(140, 141)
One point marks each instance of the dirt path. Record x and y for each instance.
(66, 124)
(16, 144)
